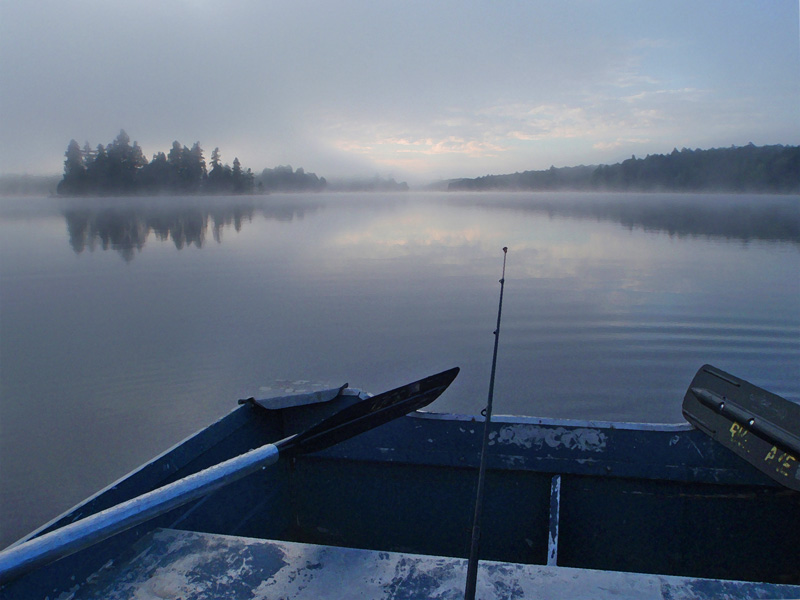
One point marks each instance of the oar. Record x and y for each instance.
(761, 427)
(357, 418)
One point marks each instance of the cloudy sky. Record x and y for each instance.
(413, 90)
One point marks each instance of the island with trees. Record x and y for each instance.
(750, 168)
(121, 169)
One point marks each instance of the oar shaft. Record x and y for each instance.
(20, 559)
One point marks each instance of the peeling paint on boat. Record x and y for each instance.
(526, 436)
(513, 460)
(632, 465)
(200, 566)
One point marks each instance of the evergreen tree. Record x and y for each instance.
(193, 168)
(88, 154)
(74, 181)
(242, 181)
(215, 176)
(97, 171)
(175, 160)
(124, 162)
(154, 176)
(197, 166)
(237, 178)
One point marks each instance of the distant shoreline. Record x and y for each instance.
(747, 169)
(765, 169)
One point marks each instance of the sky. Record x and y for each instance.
(418, 91)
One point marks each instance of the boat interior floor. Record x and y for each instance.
(170, 563)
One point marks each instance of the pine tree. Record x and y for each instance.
(74, 181)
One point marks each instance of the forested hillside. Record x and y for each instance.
(766, 169)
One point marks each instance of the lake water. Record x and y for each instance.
(127, 324)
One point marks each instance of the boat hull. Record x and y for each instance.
(662, 500)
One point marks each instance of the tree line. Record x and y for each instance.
(120, 168)
(285, 179)
(764, 169)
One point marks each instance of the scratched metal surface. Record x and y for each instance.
(408, 486)
(674, 452)
(195, 566)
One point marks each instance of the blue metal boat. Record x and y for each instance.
(572, 509)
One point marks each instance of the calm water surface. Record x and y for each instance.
(126, 325)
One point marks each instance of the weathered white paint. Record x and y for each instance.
(555, 511)
(531, 436)
(421, 414)
(198, 566)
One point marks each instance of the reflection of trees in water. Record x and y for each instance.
(775, 219)
(126, 229)
(184, 229)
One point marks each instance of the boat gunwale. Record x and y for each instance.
(556, 422)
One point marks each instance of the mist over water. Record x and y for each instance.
(127, 324)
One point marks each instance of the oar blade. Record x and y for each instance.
(368, 414)
(761, 427)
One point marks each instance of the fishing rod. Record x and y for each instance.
(472, 566)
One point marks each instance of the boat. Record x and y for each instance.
(344, 505)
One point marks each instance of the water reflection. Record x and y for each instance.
(127, 228)
(743, 218)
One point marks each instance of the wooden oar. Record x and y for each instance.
(761, 427)
(357, 418)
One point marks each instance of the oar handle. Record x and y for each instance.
(25, 557)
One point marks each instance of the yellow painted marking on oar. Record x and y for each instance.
(785, 461)
(738, 434)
